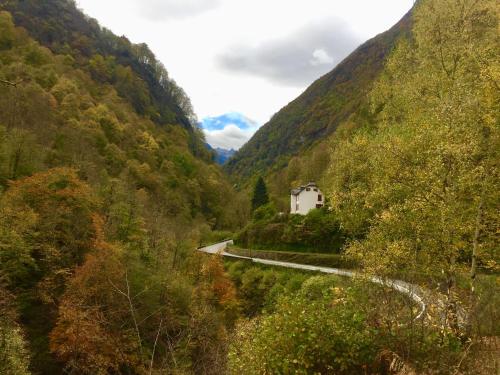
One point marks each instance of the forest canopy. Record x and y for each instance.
(105, 191)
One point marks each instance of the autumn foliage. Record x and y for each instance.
(105, 187)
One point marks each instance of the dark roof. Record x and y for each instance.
(302, 188)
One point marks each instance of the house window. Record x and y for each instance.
(319, 205)
(320, 198)
(316, 190)
(308, 189)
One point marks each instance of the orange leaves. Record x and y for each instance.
(57, 214)
(219, 283)
(80, 339)
(86, 335)
(54, 184)
(219, 288)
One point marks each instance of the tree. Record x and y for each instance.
(14, 358)
(8, 34)
(86, 337)
(260, 197)
(324, 333)
(420, 190)
(94, 192)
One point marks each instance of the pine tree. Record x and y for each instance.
(260, 196)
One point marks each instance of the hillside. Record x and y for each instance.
(105, 186)
(221, 155)
(133, 69)
(411, 179)
(319, 110)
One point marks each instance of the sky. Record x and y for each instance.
(241, 61)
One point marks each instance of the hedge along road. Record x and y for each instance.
(412, 291)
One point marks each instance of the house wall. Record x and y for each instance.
(307, 200)
(293, 202)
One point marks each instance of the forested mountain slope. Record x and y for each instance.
(132, 69)
(105, 189)
(412, 182)
(319, 110)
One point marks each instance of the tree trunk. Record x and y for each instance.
(473, 267)
(475, 245)
(452, 306)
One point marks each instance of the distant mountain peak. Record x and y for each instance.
(222, 155)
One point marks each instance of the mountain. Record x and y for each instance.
(222, 155)
(319, 110)
(105, 186)
(64, 29)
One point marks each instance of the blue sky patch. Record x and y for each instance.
(232, 118)
(228, 131)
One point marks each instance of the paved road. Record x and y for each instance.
(417, 294)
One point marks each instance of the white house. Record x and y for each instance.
(305, 198)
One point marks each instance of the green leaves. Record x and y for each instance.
(307, 334)
(318, 231)
(413, 184)
(7, 31)
(260, 197)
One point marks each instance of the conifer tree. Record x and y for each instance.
(260, 196)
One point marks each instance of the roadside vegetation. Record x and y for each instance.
(412, 180)
(106, 190)
(298, 322)
(317, 232)
(313, 259)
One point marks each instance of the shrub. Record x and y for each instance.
(306, 335)
(324, 260)
(318, 231)
(265, 212)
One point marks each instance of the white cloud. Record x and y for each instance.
(189, 40)
(321, 57)
(231, 137)
(158, 10)
(287, 60)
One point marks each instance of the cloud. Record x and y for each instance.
(159, 10)
(229, 131)
(321, 57)
(297, 59)
(219, 122)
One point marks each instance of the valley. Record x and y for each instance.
(356, 232)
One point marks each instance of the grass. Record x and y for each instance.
(215, 237)
(313, 259)
(293, 247)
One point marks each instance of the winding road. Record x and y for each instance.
(417, 294)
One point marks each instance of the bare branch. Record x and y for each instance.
(131, 307)
(13, 84)
(117, 289)
(154, 348)
(132, 312)
(466, 352)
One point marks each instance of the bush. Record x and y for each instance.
(321, 324)
(260, 287)
(318, 231)
(266, 212)
(210, 237)
(313, 259)
(306, 335)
